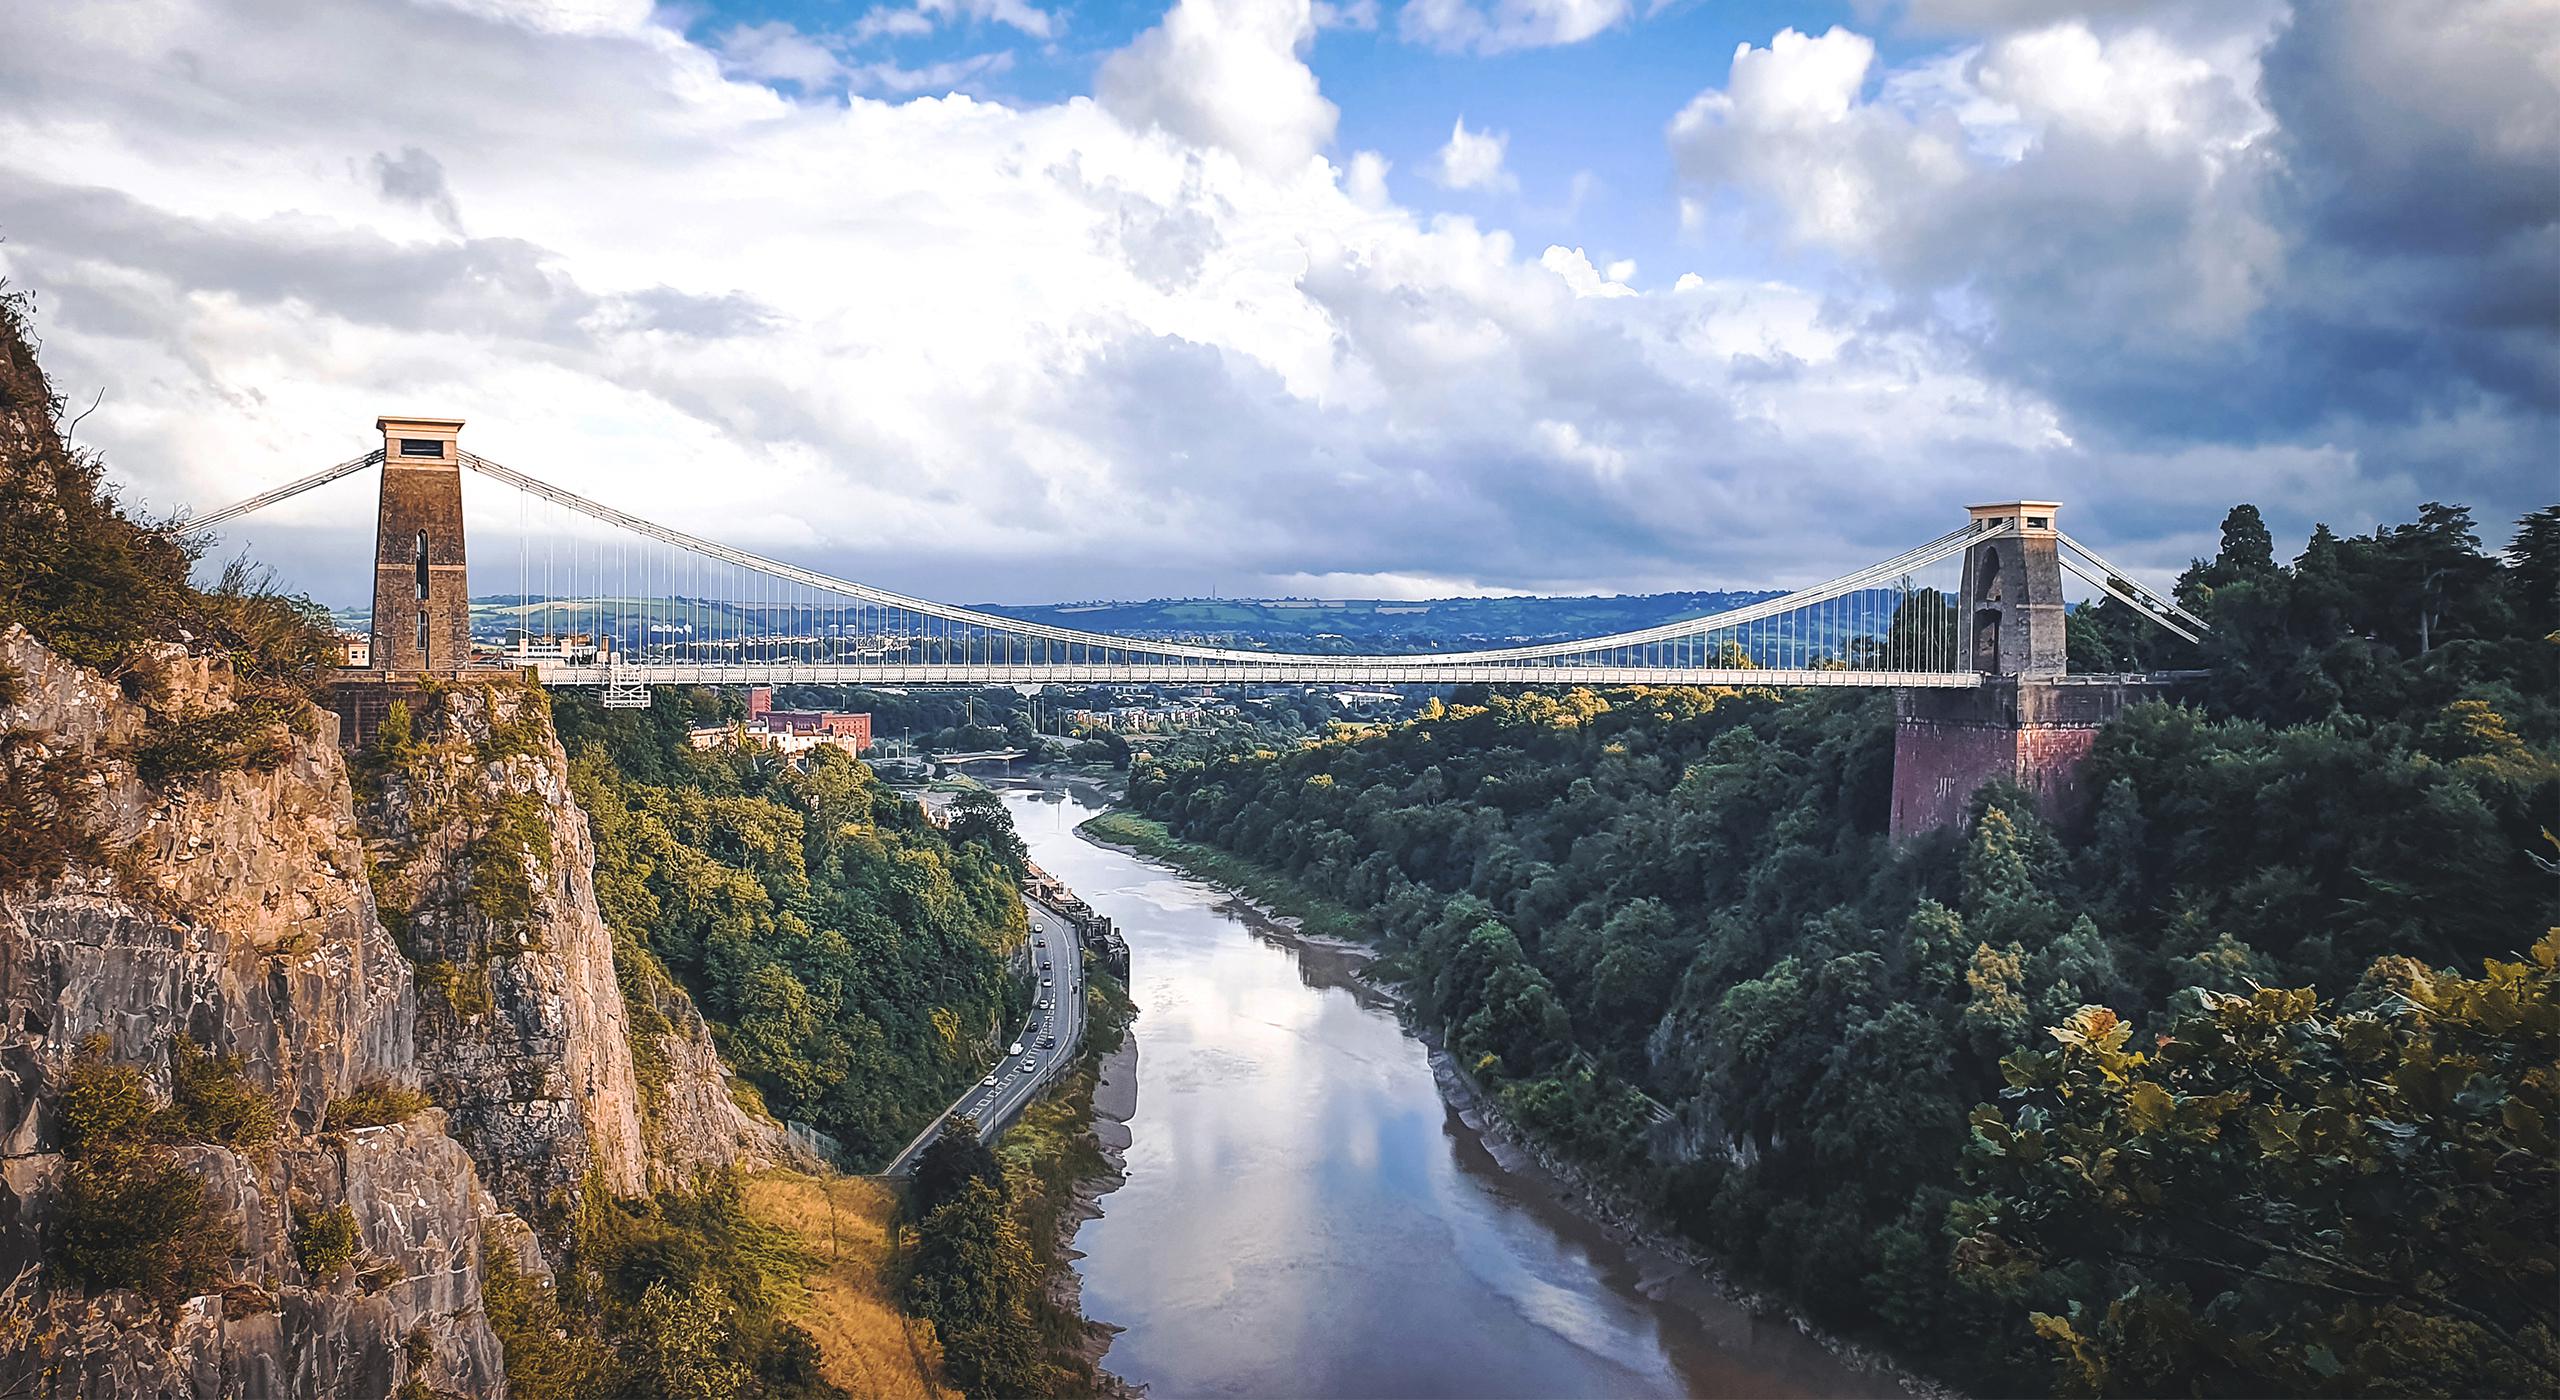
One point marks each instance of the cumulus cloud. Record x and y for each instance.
(1226, 74)
(1504, 25)
(2189, 224)
(1574, 267)
(979, 349)
(1473, 161)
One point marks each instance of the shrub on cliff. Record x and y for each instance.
(45, 824)
(85, 578)
(324, 1241)
(252, 734)
(132, 1216)
(374, 1103)
(550, 1356)
(506, 859)
(215, 1100)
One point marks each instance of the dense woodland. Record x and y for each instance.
(2243, 1082)
(849, 955)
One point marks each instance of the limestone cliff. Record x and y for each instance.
(259, 911)
(486, 870)
(217, 1176)
(236, 912)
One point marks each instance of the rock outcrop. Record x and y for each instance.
(445, 937)
(484, 862)
(236, 912)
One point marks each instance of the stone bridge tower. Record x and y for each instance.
(2029, 723)
(421, 591)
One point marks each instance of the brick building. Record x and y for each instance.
(846, 730)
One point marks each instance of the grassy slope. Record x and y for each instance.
(852, 1309)
(1316, 911)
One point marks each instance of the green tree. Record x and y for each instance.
(2286, 1196)
(973, 1278)
(954, 1158)
(682, 1344)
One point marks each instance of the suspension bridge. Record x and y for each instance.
(609, 600)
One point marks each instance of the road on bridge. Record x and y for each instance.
(1057, 1015)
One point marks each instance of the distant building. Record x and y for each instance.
(571, 648)
(1140, 719)
(793, 730)
(355, 649)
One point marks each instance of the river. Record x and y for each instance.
(1304, 1216)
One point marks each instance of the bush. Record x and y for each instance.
(505, 860)
(549, 1356)
(463, 986)
(216, 1101)
(375, 1103)
(324, 1240)
(143, 1222)
(251, 734)
(132, 1216)
(45, 826)
(85, 578)
(106, 1107)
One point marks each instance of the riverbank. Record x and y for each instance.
(1674, 1272)
(1309, 909)
(1059, 1159)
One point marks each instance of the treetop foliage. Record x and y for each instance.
(1616, 902)
(848, 954)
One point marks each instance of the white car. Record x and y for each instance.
(990, 1079)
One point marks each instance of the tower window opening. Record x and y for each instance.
(422, 566)
(422, 447)
(422, 632)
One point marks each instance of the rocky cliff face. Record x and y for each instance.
(237, 913)
(258, 911)
(485, 867)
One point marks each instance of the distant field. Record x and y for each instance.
(1338, 624)
(1370, 622)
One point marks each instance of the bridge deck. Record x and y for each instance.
(1351, 670)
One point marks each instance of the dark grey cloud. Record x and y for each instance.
(2352, 243)
(417, 178)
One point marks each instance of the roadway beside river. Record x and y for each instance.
(1050, 1037)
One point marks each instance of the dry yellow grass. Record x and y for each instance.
(868, 1345)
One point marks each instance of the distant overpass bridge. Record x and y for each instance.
(615, 602)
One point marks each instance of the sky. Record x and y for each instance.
(1018, 300)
